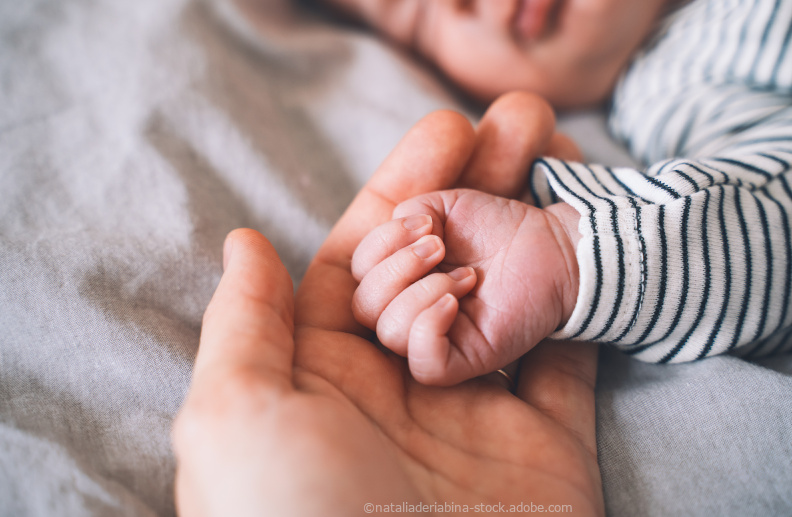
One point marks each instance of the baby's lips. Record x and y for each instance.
(532, 18)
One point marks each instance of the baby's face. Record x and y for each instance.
(569, 51)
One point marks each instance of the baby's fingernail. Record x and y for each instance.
(415, 222)
(445, 301)
(426, 246)
(461, 273)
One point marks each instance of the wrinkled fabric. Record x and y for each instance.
(135, 135)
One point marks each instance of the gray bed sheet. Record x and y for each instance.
(134, 135)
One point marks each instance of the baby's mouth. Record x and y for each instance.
(534, 18)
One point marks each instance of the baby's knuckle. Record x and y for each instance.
(394, 270)
(362, 311)
(391, 333)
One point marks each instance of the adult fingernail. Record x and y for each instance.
(415, 222)
(460, 273)
(426, 246)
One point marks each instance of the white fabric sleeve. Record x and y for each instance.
(691, 257)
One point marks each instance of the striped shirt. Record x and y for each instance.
(691, 257)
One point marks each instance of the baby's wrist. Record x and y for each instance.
(569, 219)
(568, 238)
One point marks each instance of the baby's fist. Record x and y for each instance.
(401, 295)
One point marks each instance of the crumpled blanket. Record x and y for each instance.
(135, 135)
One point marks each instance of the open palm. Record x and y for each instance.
(295, 411)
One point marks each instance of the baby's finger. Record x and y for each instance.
(466, 353)
(429, 345)
(395, 321)
(393, 275)
(387, 239)
(439, 354)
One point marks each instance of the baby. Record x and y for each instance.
(688, 258)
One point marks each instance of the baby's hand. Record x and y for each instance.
(463, 283)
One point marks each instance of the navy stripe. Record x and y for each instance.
(727, 278)
(682, 141)
(701, 171)
(597, 251)
(740, 132)
(768, 247)
(685, 282)
(788, 256)
(781, 344)
(781, 57)
(763, 43)
(741, 46)
(532, 186)
(642, 286)
(725, 34)
(663, 186)
(690, 180)
(769, 139)
(620, 289)
(597, 180)
(620, 254)
(730, 130)
(728, 180)
(661, 295)
(720, 109)
(663, 167)
(778, 160)
(707, 280)
(656, 139)
(748, 270)
(754, 349)
(627, 189)
(746, 166)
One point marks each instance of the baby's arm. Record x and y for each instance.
(691, 257)
(512, 267)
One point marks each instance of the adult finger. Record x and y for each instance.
(249, 323)
(430, 157)
(564, 148)
(514, 131)
(558, 379)
(246, 352)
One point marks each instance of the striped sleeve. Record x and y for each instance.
(691, 257)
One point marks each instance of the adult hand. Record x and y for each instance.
(294, 411)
